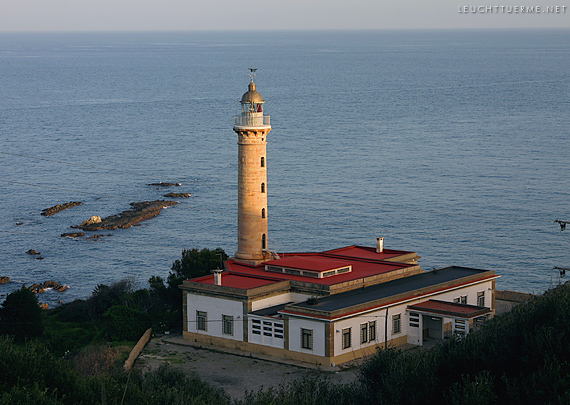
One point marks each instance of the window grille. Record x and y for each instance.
(346, 338)
(396, 324)
(227, 325)
(371, 331)
(201, 320)
(363, 333)
(481, 298)
(307, 338)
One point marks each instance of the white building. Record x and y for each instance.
(328, 307)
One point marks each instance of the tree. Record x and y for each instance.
(195, 263)
(21, 315)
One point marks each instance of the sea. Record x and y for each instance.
(454, 144)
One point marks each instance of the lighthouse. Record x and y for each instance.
(252, 127)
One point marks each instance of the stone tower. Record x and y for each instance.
(252, 128)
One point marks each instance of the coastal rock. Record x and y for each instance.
(4, 280)
(98, 236)
(95, 219)
(164, 184)
(178, 195)
(140, 211)
(72, 234)
(43, 305)
(40, 288)
(33, 252)
(59, 207)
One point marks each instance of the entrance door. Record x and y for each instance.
(432, 327)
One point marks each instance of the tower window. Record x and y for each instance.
(263, 241)
(263, 187)
(263, 213)
(262, 161)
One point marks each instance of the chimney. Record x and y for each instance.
(379, 245)
(217, 276)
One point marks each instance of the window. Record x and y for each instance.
(364, 333)
(481, 298)
(263, 187)
(227, 325)
(263, 241)
(463, 299)
(396, 324)
(307, 339)
(262, 161)
(414, 320)
(256, 326)
(456, 300)
(263, 213)
(201, 320)
(346, 338)
(371, 331)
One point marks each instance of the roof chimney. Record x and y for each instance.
(217, 276)
(379, 245)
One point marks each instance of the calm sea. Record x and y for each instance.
(454, 144)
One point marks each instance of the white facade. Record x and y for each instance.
(316, 329)
(217, 311)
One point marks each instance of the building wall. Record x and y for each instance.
(267, 331)
(318, 335)
(278, 300)
(215, 309)
(354, 323)
(327, 338)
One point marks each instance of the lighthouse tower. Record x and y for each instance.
(252, 128)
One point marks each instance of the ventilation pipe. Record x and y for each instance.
(379, 245)
(217, 276)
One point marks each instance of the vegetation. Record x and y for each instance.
(519, 357)
(31, 374)
(21, 316)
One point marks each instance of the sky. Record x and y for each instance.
(191, 15)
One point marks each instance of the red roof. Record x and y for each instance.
(237, 281)
(318, 263)
(365, 252)
(360, 269)
(450, 308)
(365, 262)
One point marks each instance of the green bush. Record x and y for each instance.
(124, 323)
(21, 315)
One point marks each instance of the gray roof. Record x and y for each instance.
(409, 285)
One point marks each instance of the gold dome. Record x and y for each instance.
(252, 96)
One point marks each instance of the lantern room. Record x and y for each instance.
(252, 108)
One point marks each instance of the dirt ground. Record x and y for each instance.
(232, 372)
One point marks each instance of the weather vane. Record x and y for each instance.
(252, 72)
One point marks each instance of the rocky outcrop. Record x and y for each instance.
(59, 207)
(164, 184)
(33, 252)
(4, 279)
(140, 211)
(40, 288)
(72, 234)
(178, 195)
(95, 219)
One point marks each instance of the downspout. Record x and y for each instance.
(386, 331)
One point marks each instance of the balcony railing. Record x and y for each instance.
(252, 121)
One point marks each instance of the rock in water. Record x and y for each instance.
(59, 207)
(95, 219)
(140, 211)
